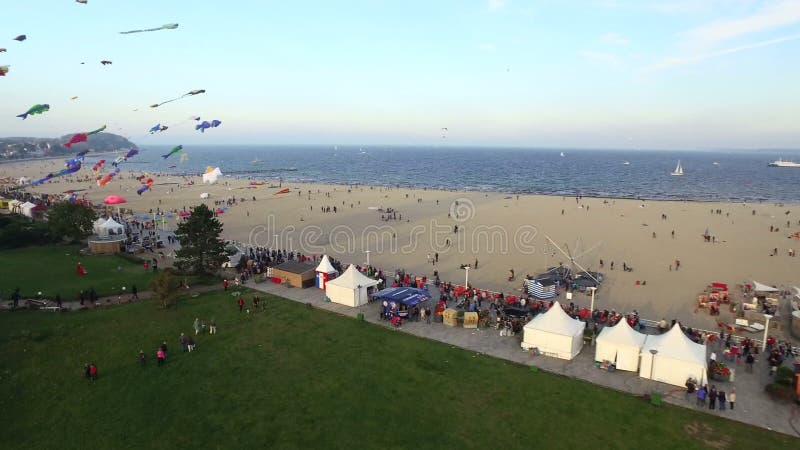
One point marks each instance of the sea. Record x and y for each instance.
(734, 176)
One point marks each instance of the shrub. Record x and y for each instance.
(784, 376)
(780, 392)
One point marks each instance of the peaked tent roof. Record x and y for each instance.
(622, 334)
(325, 265)
(352, 279)
(676, 345)
(763, 287)
(556, 321)
(111, 223)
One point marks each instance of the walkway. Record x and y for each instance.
(753, 406)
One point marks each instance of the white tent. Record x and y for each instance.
(26, 209)
(554, 333)
(96, 227)
(111, 228)
(759, 287)
(212, 175)
(325, 265)
(674, 360)
(324, 272)
(620, 344)
(204, 195)
(351, 288)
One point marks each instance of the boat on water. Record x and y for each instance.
(256, 161)
(715, 163)
(562, 154)
(626, 163)
(782, 163)
(678, 170)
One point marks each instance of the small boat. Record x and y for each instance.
(562, 154)
(626, 163)
(256, 161)
(715, 163)
(782, 163)
(678, 170)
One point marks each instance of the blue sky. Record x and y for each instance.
(676, 74)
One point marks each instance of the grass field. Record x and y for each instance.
(52, 270)
(296, 377)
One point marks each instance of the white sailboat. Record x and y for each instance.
(678, 170)
(562, 154)
(626, 163)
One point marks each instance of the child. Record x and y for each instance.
(142, 358)
(161, 356)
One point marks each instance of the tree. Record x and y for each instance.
(165, 288)
(73, 221)
(202, 251)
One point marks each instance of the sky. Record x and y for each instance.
(638, 74)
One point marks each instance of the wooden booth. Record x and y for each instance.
(295, 274)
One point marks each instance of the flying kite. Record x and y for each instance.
(98, 165)
(211, 175)
(158, 128)
(206, 125)
(131, 153)
(82, 137)
(194, 92)
(145, 186)
(82, 1)
(184, 157)
(195, 118)
(35, 109)
(74, 98)
(21, 38)
(103, 181)
(2, 50)
(3, 71)
(177, 149)
(106, 62)
(282, 191)
(169, 26)
(72, 165)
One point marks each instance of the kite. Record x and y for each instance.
(158, 128)
(105, 62)
(282, 191)
(72, 165)
(82, 1)
(103, 181)
(195, 118)
(194, 92)
(21, 38)
(184, 157)
(206, 125)
(211, 175)
(169, 26)
(2, 50)
(131, 153)
(82, 137)
(98, 165)
(74, 98)
(177, 149)
(3, 71)
(81, 153)
(145, 186)
(35, 109)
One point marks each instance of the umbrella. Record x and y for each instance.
(184, 214)
(115, 200)
(220, 210)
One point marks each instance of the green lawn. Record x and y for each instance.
(52, 270)
(296, 377)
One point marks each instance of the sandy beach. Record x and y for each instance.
(501, 231)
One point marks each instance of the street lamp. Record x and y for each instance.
(766, 331)
(591, 312)
(466, 281)
(276, 242)
(367, 252)
(652, 361)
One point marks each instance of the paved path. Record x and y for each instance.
(753, 406)
(120, 299)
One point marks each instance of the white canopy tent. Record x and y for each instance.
(676, 358)
(760, 287)
(111, 229)
(204, 195)
(26, 209)
(620, 344)
(325, 265)
(96, 227)
(554, 333)
(351, 288)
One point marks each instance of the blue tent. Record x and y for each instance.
(405, 295)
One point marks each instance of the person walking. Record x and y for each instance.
(92, 372)
(749, 360)
(190, 344)
(732, 398)
(212, 327)
(196, 326)
(161, 356)
(225, 284)
(241, 304)
(134, 292)
(721, 400)
(142, 358)
(184, 343)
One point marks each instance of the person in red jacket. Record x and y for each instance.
(241, 304)
(225, 284)
(92, 372)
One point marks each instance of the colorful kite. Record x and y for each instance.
(190, 93)
(99, 165)
(82, 137)
(3, 71)
(175, 150)
(145, 186)
(35, 109)
(72, 165)
(2, 50)
(195, 118)
(206, 125)
(169, 26)
(158, 128)
(103, 181)
(131, 153)
(82, 1)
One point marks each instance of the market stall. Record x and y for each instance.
(554, 333)
(620, 345)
